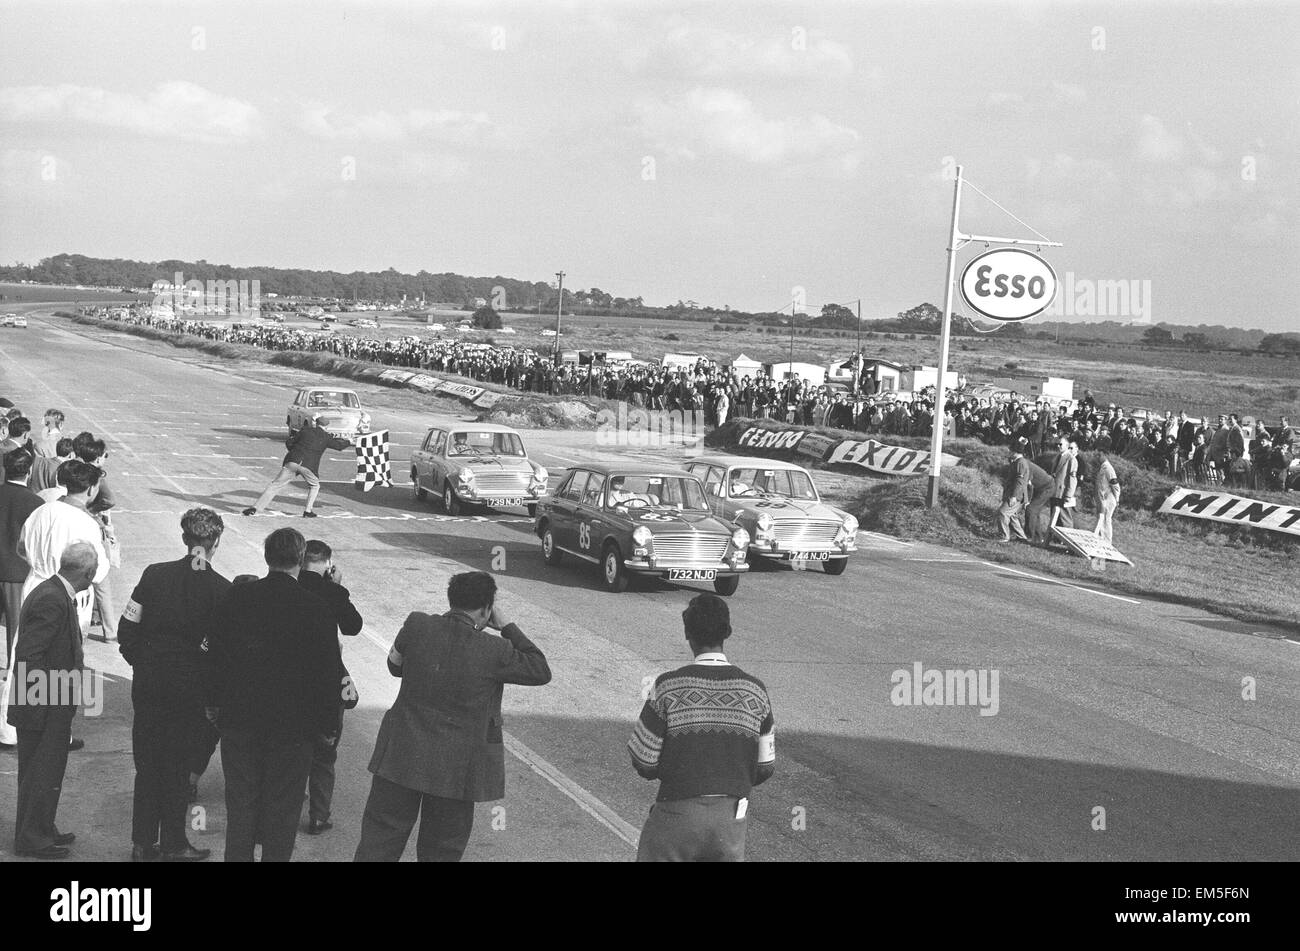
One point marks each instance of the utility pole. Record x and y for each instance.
(559, 309)
(857, 356)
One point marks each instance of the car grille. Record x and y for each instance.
(501, 483)
(690, 549)
(800, 535)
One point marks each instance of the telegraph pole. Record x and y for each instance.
(559, 309)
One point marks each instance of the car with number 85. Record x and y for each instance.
(638, 520)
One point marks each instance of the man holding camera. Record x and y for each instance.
(323, 578)
(440, 747)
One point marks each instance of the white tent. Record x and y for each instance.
(746, 366)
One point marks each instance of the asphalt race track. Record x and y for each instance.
(1127, 704)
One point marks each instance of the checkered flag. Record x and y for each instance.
(372, 461)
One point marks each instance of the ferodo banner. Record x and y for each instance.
(422, 381)
(815, 446)
(887, 460)
(1233, 509)
(776, 439)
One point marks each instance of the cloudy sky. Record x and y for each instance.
(722, 152)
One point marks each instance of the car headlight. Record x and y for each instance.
(740, 539)
(765, 523)
(466, 477)
(642, 536)
(850, 526)
(540, 475)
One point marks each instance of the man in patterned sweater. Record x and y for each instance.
(706, 733)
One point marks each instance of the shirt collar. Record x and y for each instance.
(712, 659)
(72, 592)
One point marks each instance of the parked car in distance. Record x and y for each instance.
(635, 519)
(476, 463)
(778, 504)
(340, 410)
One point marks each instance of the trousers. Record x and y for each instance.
(445, 824)
(166, 727)
(320, 783)
(288, 472)
(703, 829)
(42, 761)
(1011, 520)
(11, 601)
(265, 781)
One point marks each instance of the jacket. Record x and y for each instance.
(17, 502)
(274, 658)
(308, 444)
(1016, 485)
(1065, 476)
(49, 640)
(444, 734)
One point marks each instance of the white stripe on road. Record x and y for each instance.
(1064, 584)
(886, 538)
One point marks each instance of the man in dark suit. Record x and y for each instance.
(306, 447)
(49, 646)
(275, 666)
(162, 636)
(17, 502)
(441, 748)
(323, 578)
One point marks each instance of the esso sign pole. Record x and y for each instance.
(1006, 284)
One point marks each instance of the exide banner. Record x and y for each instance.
(1233, 509)
(887, 460)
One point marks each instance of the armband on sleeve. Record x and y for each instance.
(134, 612)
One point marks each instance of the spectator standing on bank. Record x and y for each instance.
(440, 748)
(1065, 476)
(707, 734)
(1015, 494)
(274, 690)
(306, 447)
(1106, 495)
(324, 579)
(164, 634)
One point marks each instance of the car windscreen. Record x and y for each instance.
(674, 492)
(787, 483)
(469, 442)
(333, 398)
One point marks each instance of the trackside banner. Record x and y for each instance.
(784, 439)
(1233, 509)
(886, 460)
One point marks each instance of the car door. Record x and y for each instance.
(435, 462)
(564, 510)
(420, 460)
(295, 410)
(591, 521)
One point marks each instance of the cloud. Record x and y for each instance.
(451, 126)
(723, 122)
(174, 110)
(1262, 230)
(703, 52)
(1158, 144)
(1005, 99)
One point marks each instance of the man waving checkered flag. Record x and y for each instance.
(372, 461)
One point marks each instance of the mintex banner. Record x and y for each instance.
(886, 460)
(463, 390)
(772, 439)
(1233, 509)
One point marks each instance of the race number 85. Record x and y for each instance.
(584, 535)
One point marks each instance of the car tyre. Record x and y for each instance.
(549, 552)
(450, 500)
(613, 572)
(726, 585)
(835, 566)
(418, 490)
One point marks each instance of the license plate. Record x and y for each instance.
(692, 574)
(810, 556)
(510, 501)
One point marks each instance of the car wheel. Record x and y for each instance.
(726, 585)
(419, 490)
(612, 570)
(450, 500)
(835, 566)
(532, 511)
(549, 551)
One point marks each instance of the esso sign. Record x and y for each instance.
(1008, 284)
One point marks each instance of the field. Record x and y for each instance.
(1129, 376)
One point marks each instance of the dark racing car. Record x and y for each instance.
(640, 520)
